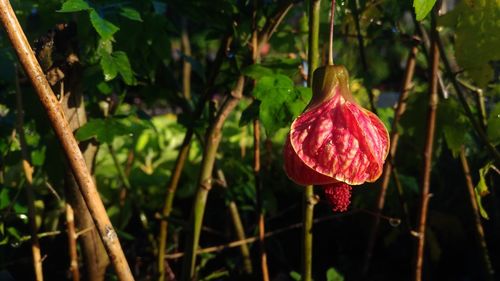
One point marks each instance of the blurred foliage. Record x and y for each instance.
(132, 55)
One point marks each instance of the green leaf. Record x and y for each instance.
(116, 63)
(74, 6)
(250, 113)
(295, 276)
(257, 71)
(456, 125)
(423, 7)
(482, 189)
(493, 129)
(104, 28)
(123, 66)
(131, 14)
(476, 42)
(104, 130)
(4, 198)
(109, 67)
(281, 101)
(333, 275)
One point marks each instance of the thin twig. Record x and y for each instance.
(427, 152)
(386, 176)
(256, 238)
(73, 254)
(362, 54)
(67, 139)
(488, 270)
(461, 97)
(28, 174)
(238, 226)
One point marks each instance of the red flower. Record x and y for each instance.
(335, 142)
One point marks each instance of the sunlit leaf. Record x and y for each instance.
(333, 275)
(423, 7)
(482, 189)
(280, 100)
(131, 14)
(104, 28)
(74, 6)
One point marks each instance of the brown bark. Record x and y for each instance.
(427, 153)
(63, 132)
(64, 76)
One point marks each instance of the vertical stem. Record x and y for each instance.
(169, 201)
(30, 194)
(258, 188)
(256, 159)
(186, 65)
(212, 141)
(181, 160)
(73, 254)
(238, 227)
(362, 54)
(488, 270)
(400, 109)
(332, 23)
(308, 197)
(428, 148)
(65, 135)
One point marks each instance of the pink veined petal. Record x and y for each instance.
(339, 139)
(300, 173)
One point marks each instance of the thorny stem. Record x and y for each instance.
(486, 261)
(308, 197)
(332, 23)
(28, 174)
(389, 165)
(362, 54)
(65, 135)
(427, 152)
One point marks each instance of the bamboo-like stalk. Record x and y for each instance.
(30, 193)
(308, 197)
(394, 139)
(65, 135)
(427, 152)
(238, 226)
(73, 253)
(212, 140)
(488, 271)
(186, 65)
(362, 53)
(180, 161)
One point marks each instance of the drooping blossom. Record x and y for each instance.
(335, 143)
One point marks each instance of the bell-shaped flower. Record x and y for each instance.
(335, 142)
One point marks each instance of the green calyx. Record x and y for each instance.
(326, 80)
